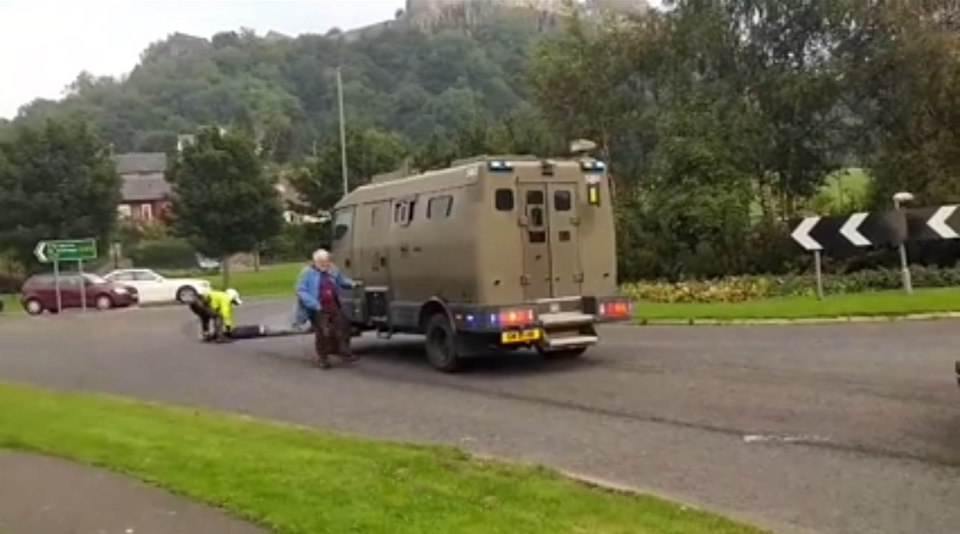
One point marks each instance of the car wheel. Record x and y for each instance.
(104, 302)
(442, 344)
(186, 294)
(33, 307)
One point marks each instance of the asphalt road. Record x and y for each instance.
(845, 428)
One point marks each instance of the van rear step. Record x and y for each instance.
(565, 319)
(567, 342)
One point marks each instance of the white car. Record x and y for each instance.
(154, 288)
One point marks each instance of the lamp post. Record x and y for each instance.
(898, 199)
(343, 134)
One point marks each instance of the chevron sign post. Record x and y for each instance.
(934, 224)
(858, 230)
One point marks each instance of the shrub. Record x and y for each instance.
(12, 274)
(170, 253)
(745, 288)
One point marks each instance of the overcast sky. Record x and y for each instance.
(44, 44)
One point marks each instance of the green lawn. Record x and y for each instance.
(11, 305)
(271, 281)
(296, 480)
(888, 303)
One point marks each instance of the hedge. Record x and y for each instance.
(169, 253)
(744, 288)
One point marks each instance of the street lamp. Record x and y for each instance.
(899, 198)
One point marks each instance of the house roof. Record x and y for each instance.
(144, 187)
(141, 162)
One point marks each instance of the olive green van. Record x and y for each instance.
(494, 252)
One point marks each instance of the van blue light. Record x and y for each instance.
(593, 166)
(499, 166)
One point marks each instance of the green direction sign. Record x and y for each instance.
(66, 250)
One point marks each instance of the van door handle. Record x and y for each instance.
(404, 249)
(416, 249)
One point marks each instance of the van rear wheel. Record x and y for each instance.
(442, 344)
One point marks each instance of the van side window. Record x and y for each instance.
(534, 197)
(341, 224)
(503, 199)
(562, 200)
(439, 207)
(403, 211)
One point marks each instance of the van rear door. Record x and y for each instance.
(551, 250)
(536, 246)
(564, 239)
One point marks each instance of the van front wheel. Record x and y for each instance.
(442, 344)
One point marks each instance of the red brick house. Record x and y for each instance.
(144, 190)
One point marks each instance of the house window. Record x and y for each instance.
(439, 207)
(124, 211)
(146, 212)
(503, 199)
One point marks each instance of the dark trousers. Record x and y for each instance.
(206, 316)
(330, 336)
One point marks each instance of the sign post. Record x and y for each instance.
(57, 251)
(802, 236)
(856, 230)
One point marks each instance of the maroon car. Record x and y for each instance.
(39, 293)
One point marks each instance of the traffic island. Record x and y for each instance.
(298, 480)
(923, 304)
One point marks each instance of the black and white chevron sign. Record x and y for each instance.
(862, 229)
(933, 224)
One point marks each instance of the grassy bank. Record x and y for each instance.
(11, 305)
(270, 281)
(886, 303)
(302, 481)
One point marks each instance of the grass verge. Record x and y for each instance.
(270, 281)
(10, 305)
(886, 303)
(295, 480)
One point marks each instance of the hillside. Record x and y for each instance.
(405, 78)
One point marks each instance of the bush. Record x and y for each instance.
(12, 274)
(169, 253)
(745, 288)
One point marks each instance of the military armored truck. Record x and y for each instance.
(494, 252)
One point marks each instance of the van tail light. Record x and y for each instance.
(515, 317)
(616, 309)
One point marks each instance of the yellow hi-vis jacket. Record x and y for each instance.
(221, 304)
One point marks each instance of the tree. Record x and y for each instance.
(56, 181)
(222, 201)
(369, 152)
(903, 75)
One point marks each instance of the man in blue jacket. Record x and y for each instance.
(318, 299)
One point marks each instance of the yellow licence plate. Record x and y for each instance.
(520, 336)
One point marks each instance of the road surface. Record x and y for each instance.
(838, 429)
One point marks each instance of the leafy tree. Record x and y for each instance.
(903, 75)
(57, 181)
(222, 200)
(283, 91)
(369, 152)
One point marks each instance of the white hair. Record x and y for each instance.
(320, 255)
